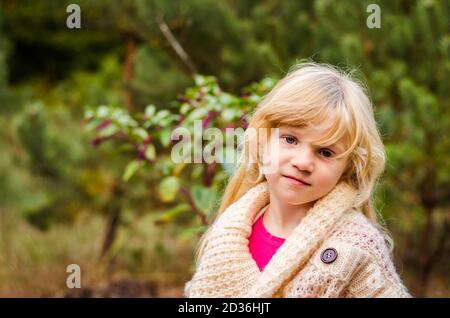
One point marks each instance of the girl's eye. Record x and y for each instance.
(326, 153)
(289, 139)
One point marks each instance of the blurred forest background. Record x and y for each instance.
(86, 116)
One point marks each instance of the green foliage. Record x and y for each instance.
(149, 133)
(168, 188)
(204, 198)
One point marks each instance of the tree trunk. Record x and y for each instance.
(128, 71)
(112, 220)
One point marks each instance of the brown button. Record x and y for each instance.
(329, 255)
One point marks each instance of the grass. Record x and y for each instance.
(33, 263)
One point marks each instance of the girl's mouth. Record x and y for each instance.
(296, 181)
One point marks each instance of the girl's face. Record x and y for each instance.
(304, 173)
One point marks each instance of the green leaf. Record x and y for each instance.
(229, 114)
(184, 108)
(161, 114)
(164, 137)
(89, 113)
(199, 80)
(108, 131)
(124, 119)
(140, 133)
(92, 124)
(150, 111)
(204, 198)
(225, 99)
(173, 213)
(197, 113)
(168, 189)
(150, 152)
(131, 169)
(164, 165)
(103, 111)
(268, 83)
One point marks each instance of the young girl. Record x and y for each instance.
(306, 228)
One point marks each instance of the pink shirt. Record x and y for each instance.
(262, 244)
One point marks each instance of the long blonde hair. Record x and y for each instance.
(312, 94)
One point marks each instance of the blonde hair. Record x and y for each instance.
(312, 94)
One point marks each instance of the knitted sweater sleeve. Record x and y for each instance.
(376, 278)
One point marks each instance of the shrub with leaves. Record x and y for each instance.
(191, 189)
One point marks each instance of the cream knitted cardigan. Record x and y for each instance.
(363, 267)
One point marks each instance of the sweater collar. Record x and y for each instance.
(303, 241)
(290, 257)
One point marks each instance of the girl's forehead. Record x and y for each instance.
(306, 132)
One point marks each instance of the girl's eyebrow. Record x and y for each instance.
(338, 147)
(292, 130)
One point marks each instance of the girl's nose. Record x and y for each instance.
(303, 159)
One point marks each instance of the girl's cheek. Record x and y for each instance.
(330, 173)
(338, 165)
